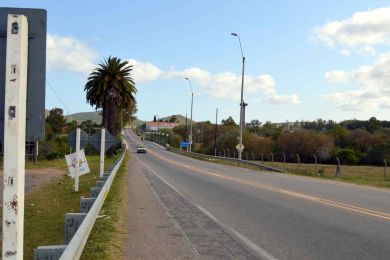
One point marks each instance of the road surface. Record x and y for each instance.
(235, 213)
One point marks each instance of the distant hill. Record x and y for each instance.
(84, 116)
(180, 119)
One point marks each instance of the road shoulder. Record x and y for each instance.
(152, 234)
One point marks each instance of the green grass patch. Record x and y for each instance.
(108, 234)
(46, 206)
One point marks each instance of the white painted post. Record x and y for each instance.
(102, 148)
(77, 168)
(15, 136)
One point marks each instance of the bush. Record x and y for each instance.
(347, 155)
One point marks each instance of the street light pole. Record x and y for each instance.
(192, 104)
(242, 99)
(215, 136)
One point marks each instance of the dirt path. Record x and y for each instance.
(35, 178)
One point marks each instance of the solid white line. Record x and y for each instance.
(224, 226)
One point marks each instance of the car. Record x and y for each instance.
(141, 149)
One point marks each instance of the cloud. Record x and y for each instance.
(363, 28)
(345, 52)
(70, 54)
(373, 82)
(367, 50)
(225, 85)
(336, 76)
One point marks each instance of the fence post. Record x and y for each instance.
(338, 171)
(315, 164)
(228, 152)
(298, 160)
(253, 156)
(284, 160)
(272, 158)
(385, 173)
(224, 155)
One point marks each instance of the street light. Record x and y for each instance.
(242, 99)
(192, 103)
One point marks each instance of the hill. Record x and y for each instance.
(180, 119)
(84, 116)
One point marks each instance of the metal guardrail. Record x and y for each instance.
(199, 155)
(75, 247)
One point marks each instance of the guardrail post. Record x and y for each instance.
(385, 172)
(94, 192)
(100, 184)
(86, 204)
(48, 252)
(338, 171)
(72, 223)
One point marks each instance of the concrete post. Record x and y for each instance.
(14, 136)
(72, 223)
(338, 171)
(102, 150)
(77, 166)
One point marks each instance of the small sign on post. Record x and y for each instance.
(72, 163)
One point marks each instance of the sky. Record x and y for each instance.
(305, 59)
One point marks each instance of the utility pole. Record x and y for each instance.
(192, 104)
(15, 136)
(216, 129)
(242, 99)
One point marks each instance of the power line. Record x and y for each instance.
(58, 97)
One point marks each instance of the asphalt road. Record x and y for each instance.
(254, 214)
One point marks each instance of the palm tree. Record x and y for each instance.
(111, 87)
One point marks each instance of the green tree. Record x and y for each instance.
(56, 120)
(111, 88)
(173, 119)
(229, 121)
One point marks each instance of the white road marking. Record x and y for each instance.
(261, 252)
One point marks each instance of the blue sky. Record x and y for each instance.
(304, 59)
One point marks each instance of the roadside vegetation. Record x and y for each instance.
(46, 206)
(362, 147)
(108, 236)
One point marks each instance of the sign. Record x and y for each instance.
(110, 140)
(72, 139)
(240, 148)
(184, 144)
(71, 162)
(36, 72)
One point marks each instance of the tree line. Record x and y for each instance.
(357, 142)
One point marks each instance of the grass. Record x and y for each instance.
(109, 232)
(362, 175)
(46, 206)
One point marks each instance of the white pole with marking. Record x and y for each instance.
(14, 136)
(77, 168)
(102, 148)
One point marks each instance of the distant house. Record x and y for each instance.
(155, 126)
